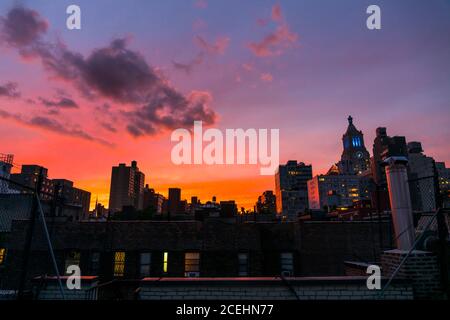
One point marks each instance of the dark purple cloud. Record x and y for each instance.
(63, 102)
(108, 126)
(22, 27)
(53, 126)
(114, 72)
(9, 90)
(188, 67)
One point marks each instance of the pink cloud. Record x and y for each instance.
(218, 47)
(275, 42)
(201, 4)
(276, 13)
(247, 67)
(266, 77)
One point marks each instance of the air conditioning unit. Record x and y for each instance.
(192, 274)
(286, 274)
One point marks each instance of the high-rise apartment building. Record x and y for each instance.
(291, 188)
(66, 192)
(422, 175)
(337, 190)
(174, 202)
(127, 185)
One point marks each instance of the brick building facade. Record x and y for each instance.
(125, 250)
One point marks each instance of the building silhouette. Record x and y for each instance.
(266, 203)
(423, 177)
(333, 191)
(291, 188)
(355, 158)
(28, 177)
(65, 191)
(153, 200)
(127, 185)
(6, 163)
(174, 202)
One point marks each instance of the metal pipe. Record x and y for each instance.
(50, 247)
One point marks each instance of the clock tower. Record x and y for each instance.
(355, 157)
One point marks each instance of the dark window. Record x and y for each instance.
(145, 263)
(72, 258)
(243, 264)
(95, 263)
(287, 263)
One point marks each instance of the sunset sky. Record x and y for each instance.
(80, 101)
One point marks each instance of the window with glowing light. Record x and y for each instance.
(2, 255)
(165, 262)
(191, 263)
(119, 263)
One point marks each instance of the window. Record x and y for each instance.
(346, 143)
(95, 263)
(165, 261)
(72, 258)
(2, 255)
(191, 263)
(287, 263)
(119, 263)
(243, 264)
(356, 142)
(145, 262)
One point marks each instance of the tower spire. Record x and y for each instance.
(350, 120)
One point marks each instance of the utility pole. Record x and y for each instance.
(29, 238)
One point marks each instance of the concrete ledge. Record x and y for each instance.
(245, 281)
(270, 288)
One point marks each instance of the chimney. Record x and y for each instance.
(397, 180)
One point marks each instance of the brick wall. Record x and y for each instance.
(421, 268)
(47, 288)
(318, 248)
(329, 288)
(355, 269)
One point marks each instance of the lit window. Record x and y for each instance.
(191, 263)
(145, 263)
(287, 263)
(119, 263)
(243, 264)
(72, 258)
(2, 255)
(165, 261)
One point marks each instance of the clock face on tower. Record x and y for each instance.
(359, 155)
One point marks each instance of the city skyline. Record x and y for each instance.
(187, 195)
(393, 78)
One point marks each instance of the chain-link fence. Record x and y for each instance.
(20, 202)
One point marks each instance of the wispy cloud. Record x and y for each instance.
(201, 4)
(63, 102)
(217, 47)
(266, 77)
(9, 90)
(52, 125)
(274, 43)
